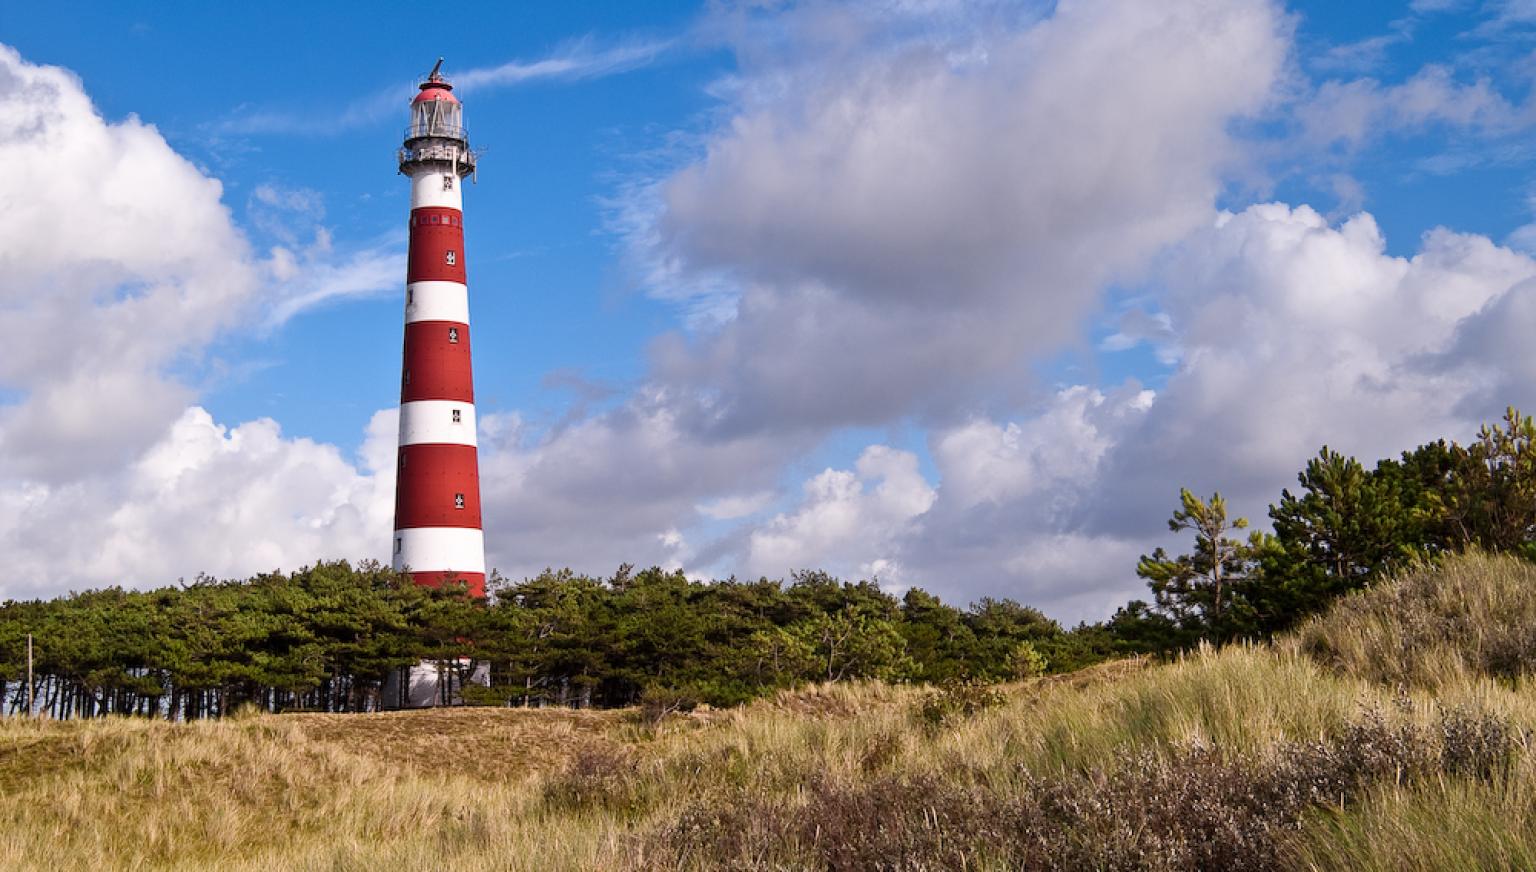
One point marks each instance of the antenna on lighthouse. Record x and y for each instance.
(436, 75)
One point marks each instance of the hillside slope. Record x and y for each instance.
(1388, 734)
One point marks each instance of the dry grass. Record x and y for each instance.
(1439, 626)
(1128, 765)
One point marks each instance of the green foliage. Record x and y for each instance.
(1345, 528)
(326, 638)
(1028, 662)
(1205, 592)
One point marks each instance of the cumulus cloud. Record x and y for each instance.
(228, 501)
(1298, 333)
(848, 517)
(1295, 333)
(915, 218)
(612, 488)
(896, 217)
(110, 271)
(1008, 518)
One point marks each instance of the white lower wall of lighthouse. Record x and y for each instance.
(430, 683)
(440, 549)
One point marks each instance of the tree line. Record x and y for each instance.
(326, 638)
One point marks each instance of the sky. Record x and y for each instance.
(948, 294)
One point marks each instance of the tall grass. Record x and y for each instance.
(1437, 626)
(1314, 753)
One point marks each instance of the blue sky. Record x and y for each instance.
(946, 293)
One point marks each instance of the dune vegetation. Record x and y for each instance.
(1391, 732)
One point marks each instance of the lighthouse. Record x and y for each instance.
(438, 537)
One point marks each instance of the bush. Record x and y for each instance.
(956, 700)
(656, 703)
(598, 775)
(1028, 662)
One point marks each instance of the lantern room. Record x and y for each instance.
(436, 112)
(436, 134)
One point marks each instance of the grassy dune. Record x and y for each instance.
(1389, 734)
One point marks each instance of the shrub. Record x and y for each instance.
(956, 700)
(1028, 662)
(598, 775)
(656, 703)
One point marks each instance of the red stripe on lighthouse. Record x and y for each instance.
(437, 246)
(437, 363)
(474, 580)
(438, 486)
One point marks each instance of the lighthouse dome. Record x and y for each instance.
(435, 91)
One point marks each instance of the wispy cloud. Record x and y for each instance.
(578, 60)
(366, 273)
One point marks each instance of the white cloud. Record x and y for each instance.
(848, 517)
(1296, 333)
(1356, 111)
(582, 59)
(612, 488)
(736, 506)
(228, 501)
(313, 281)
(112, 274)
(896, 217)
(108, 273)
(918, 218)
(1044, 458)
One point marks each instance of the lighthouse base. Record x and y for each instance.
(432, 683)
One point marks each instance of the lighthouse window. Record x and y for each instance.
(407, 377)
(452, 257)
(437, 219)
(458, 501)
(410, 297)
(447, 183)
(398, 544)
(453, 334)
(458, 417)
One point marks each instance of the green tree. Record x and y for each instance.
(1205, 591)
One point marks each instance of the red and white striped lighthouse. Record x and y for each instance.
(438, 536)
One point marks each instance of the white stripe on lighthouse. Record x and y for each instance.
(440, 549)
(427, 189)
(426, 422)
(436, 301)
